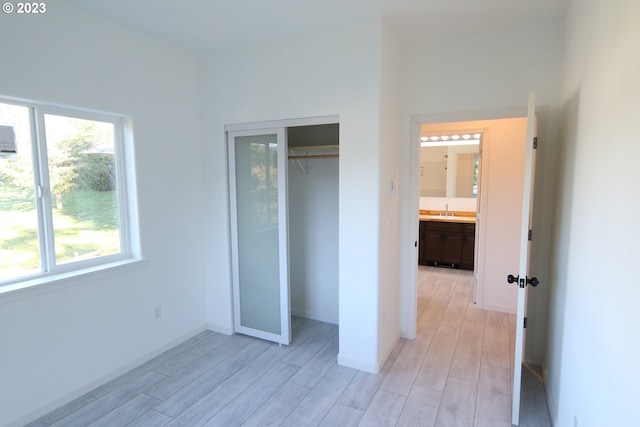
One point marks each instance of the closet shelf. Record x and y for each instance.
(314, 151)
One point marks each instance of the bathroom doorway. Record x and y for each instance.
(501, 183)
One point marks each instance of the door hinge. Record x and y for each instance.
(530, 236)
(535, 142)
(525, 322)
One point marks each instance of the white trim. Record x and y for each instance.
(358, 364)
(216, 327)
(285, 123)
(130, 185)
(233, 227)
(409, 288)
(551, 403)
(88, 112)
(499, 308)
(312, 315)
(49, 269)
(283, 237)
(368, 367)
(263, 335)
(124, 204)
(471, 116)
(45, 221)
(409, 320)
(40, 176)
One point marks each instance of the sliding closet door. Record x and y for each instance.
(258, 189)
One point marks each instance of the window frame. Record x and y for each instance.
(49, 267)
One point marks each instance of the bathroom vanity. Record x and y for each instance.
(447, 241)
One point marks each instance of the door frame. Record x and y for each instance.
(409, 274)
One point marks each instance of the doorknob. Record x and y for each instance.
(521, 282)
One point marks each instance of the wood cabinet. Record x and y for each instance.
(446, 244)
(468, 246)
(422, 244)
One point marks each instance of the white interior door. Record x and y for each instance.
(259, 233)
(523, 279)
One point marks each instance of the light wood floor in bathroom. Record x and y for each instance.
(458, 372)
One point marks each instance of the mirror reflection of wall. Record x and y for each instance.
(465, 176)
(449, 170)
(433, 171)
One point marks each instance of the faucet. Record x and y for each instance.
(447, 209)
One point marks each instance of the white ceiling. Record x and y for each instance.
(208, 24)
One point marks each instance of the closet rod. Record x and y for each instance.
(317, 156)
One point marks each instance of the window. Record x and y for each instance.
(62, 194)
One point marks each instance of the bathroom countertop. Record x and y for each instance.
(462, 217)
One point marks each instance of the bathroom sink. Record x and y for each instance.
(448, 218)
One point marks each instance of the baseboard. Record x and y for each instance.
(499, 308)
(358, 364)
(45, 409)
(553, 411)
(226, 330)
(368, 367)
(312, 315)
(387, 353)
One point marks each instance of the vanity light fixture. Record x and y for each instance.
(442, 140)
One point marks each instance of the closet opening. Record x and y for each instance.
(313, 221)
(283, 185)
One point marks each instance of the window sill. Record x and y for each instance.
(40, 285)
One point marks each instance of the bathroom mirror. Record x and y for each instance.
(449, 171)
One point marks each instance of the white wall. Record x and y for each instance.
(592, 362)
(392, 62)
(332, 72)
(313, 239)
(490, 70)
(63, 339)
(455, 204)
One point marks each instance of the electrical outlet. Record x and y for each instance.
(158, 312)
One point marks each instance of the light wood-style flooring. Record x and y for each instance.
(458, 372)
